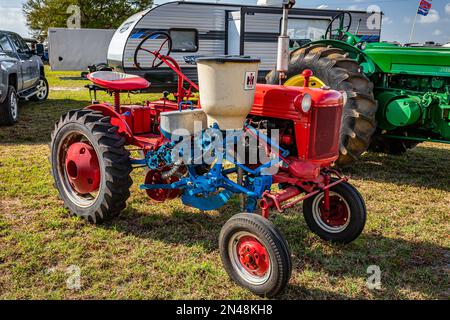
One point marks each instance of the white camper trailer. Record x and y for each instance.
(208, 29)
(76, 49)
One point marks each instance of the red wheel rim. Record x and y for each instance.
(253, 256)
(161, 195)
(338, 214)
(82, 168)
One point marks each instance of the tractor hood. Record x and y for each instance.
(405, 60)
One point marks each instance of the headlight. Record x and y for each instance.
(306, 103)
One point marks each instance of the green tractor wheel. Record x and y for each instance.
(332, 67)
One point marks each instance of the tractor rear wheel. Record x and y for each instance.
(333, 67)
(90, 165)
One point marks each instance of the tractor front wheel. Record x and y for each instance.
(332, 67)
(90, 165)
(255, 254)
(345, 219)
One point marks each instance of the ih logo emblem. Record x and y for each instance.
(250, 80)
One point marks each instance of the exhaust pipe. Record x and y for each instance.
(283, 42)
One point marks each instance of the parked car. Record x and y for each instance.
(22, 76)
(38, 48)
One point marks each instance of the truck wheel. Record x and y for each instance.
(332, 67)
(90, 165)
(9, 109)
(42, 90)
(255, 254)
(392, 146)
(346, 219)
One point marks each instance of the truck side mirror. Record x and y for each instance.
(40, 49)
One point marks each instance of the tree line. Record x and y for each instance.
(96, 14)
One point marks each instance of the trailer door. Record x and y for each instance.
(234, 33)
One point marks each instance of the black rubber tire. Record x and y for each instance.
(358, 215)
(115, 165)
(35, 98)
(273, 241)
(334, 67)
(6, 114)
(392, 146)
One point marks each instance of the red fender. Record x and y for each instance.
(122, 122)
(117, 120)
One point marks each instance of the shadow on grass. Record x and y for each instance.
(425, 166)
(405, 265)
(37, 120)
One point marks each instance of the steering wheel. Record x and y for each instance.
(342, 30)
(164, 50)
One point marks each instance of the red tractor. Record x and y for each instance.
(91, 163)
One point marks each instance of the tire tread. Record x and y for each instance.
(116, 159)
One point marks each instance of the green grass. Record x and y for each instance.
(169, 251)
(65, 79)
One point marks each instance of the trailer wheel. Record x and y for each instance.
(42, 90)
(255, 254)
(347, 216)
(90, 165)
(332, 67)
(9, 109)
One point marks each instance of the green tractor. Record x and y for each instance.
(397, 96)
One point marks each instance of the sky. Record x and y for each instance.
(397, 22)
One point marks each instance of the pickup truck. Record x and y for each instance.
(22, 76)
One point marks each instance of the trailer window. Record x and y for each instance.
(184, 40)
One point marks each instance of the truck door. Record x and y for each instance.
(7, 48)
(29, 67)
(234, 33)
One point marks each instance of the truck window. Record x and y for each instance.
(5, 46)
(19, 43)
(184, 40)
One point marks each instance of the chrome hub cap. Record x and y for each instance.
(41, 90)
(13, 106)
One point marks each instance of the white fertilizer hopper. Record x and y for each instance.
(227, 89)
(185, 123)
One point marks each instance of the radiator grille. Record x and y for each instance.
(325, 129)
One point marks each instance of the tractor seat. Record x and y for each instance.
(116, 81)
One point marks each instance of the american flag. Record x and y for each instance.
(424, 7)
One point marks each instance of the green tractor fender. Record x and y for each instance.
(368, 66)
